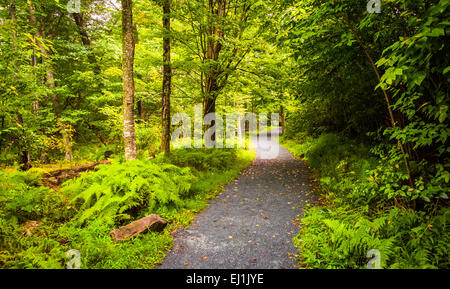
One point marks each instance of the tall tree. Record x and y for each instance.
(218, 27)
(222, 15)
(128, 46)
(167, 79)
(215, 34)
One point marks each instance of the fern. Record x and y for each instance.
(341, 238)
(355, 240)
(121, 190)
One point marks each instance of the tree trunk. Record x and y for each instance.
(129, 134)
(214, 46)
(25, 159)
(153, 223)
(79, 20)
(12, 14)
(209, 106)
(57, 177)
(85, 39)
(167, 79)
(140, 110)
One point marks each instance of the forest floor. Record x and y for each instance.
(252, 222)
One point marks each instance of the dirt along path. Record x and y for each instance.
(250, 225)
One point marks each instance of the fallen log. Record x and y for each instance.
(58, 176)
(152, 222)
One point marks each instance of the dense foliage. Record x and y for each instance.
(87, 209)
(363, 98)
(370, 116)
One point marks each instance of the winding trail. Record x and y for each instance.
(250, 225)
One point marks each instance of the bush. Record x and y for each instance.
(341, 238)
(367, 207)
(23, 198)
(204, 159)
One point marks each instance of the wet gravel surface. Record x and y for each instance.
(251, 224)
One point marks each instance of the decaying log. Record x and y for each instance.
(152, 222)
(58, 176)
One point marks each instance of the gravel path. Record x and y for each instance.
(251, 224)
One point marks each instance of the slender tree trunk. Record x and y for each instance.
(25, 159)
(79, 20)
(140, 110)
(167, 79)
(282, 119)
(129, 134)
(86, 40)
(12, 14)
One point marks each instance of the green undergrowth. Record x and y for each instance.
(39, 225)
(368, 204)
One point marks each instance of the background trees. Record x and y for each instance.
(73, 96)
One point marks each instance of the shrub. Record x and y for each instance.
(341, 238)
(23, 198)
(203, 159)
(368, 208)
